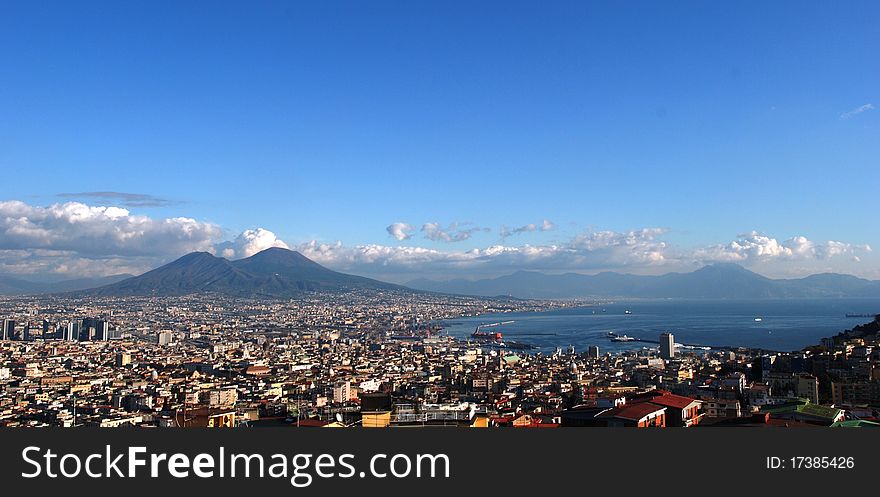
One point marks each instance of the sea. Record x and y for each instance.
(780, 325)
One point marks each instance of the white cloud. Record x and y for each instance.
(74, 239)
(858, 110)
(625, 248)
(99, 231)
(547, 225)
(400, 231)
(250, 242)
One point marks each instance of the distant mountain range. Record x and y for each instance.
(722, 281)
(10, 285)
(274, 272)
(282, 273)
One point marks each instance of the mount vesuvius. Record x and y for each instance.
(274, 272)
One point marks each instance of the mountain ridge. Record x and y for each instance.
(720, 280)
(11, 285)
(283, 273)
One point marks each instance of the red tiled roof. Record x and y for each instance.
(633, 412)
(257, 370)
(664, 398)
(311, 423)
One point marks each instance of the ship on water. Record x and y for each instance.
(619, 338)
(487, 336)
(495, 338)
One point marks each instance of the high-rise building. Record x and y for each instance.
(341, 392)
(8, 329)
(593, 351)
(94, 329)
(73, 329)
(165, 337)
(667, 345)
(102, 332)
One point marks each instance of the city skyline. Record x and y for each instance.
(440, 141)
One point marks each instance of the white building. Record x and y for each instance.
(223, 397)
(165, 337)
(341, 392)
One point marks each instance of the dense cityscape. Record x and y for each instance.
(382, 359)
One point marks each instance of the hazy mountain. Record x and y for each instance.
(274, 272)
(283, 273)
(84, 283)
(729, 281)
(10, 285)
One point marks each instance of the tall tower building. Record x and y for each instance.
(94, 329)
(667, 345)
(102, 330)
(73, 330)
(8, 332)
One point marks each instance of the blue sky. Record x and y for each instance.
(748, 123)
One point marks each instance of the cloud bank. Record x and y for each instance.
(756, 246)
(74, 240)
(99, 231)
(641, 250)
(589, 251)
